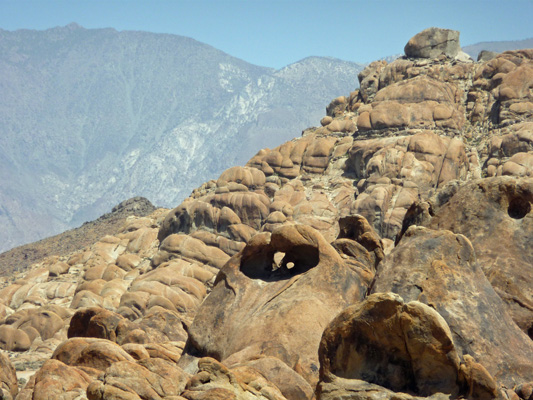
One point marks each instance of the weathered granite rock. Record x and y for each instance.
(299, 234)
(405, 347)
(416, 164)
(292, 275)
(432, 42)
(58, 380)
(215, 381)
(389, 346)
(97, 354)
(419, 102)
(495, 214)
(8, 378)
(291, 384)
(145, 379)
(439, 268)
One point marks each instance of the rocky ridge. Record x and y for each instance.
(383, 255)
(91, 116)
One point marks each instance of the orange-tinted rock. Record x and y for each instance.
(189, 249)
(146, 379)
(432, 42)
(57, 380)
(404, 347)
(90, 352)
(495, 214)
(215, 381)
(252, 294)
(13, 339)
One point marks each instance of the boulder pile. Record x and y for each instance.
(385, 254)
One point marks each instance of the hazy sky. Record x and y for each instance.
(275, 33)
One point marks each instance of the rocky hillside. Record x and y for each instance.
(90, 117)
(384, 255)
(20, 258)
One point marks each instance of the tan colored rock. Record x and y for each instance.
(146, 379)
(91, 353)
(289, 382)
(336, 107)
(57, 380)
(405, 347)
(8, 378)
(369, 83)
(184, 268)
(215, 381)
(128, 261)
(13, 339)
(256, 296)
(189, 249)
(38, 275)
(495, 214)
(45, 322)
(316, 157)
(86, 298)
(58, 268)
(137, 351)
(141, 241)
(480, 384)
(418, 163)
(420, 102)
(252, 178)
(326, 120)
(440, 269)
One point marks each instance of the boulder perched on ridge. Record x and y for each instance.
(432, 42)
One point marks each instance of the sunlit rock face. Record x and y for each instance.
(385, 254)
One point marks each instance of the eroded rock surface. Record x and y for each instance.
(385, 254)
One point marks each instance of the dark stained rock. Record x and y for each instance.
(439, 268)
(388, 346)
(495, 214)
(382, 340)
(432, 42)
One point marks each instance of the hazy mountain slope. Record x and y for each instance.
(91, 117)
(474, 49)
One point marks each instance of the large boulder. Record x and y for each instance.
(95, 354)
(216, 381)
(146, 379)
(56, 380)
(432, 42)
(439, 269)
(495, 214)
(390, 346)
(273, 299)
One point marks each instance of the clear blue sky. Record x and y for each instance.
(275, 33)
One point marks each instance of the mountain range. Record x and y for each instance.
(90, 117)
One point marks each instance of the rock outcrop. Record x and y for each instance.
(385, 254)
(433, 42)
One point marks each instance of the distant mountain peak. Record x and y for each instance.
(94, 116)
